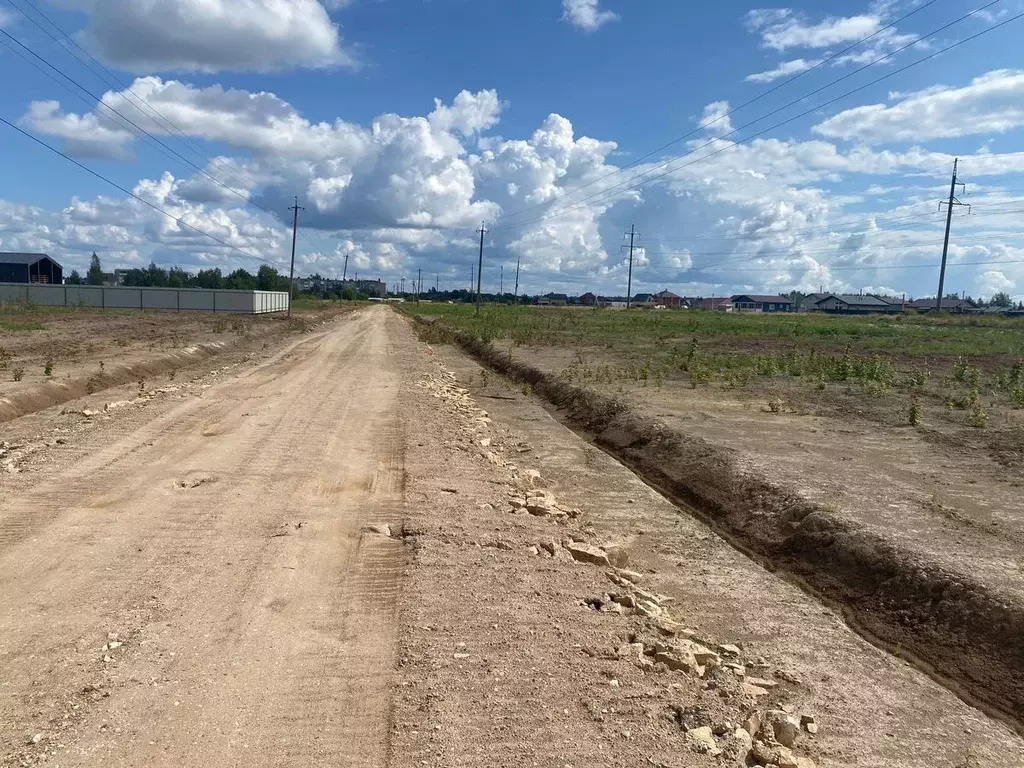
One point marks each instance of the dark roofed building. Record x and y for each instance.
(948, 305)
(30, 268)
(761, 303)
(857, 305)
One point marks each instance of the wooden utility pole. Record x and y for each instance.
(515, 296)
(472, 278)
(629, 283)
(419, 285)
(949, 222)
(480, 265)
(344, 272)
(291, 274)
(501, 281)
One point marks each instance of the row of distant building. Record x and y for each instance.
(846, 304)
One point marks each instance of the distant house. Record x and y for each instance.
(553, 300)
(714, 304)
(760, 303)
(30, 268)
(588, 299)
(948, 305)
(847, 304)
(643, 300)
(809, 303)
(667, 299)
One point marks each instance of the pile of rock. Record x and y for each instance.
(541, 503)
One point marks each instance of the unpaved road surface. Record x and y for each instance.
(196, 591)
(190, 581)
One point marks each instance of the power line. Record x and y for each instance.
(560, 211)
(111, 79)
(137, 130)
(745, 104)
(142, 200)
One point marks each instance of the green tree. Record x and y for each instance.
(267, 279)
(95, 274)
(349, 294)
(155, 276)
(74, 278)
(1001, 299)
(209, 278)
(240, 280)
(177, 277)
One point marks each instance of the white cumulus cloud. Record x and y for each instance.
(781, 29)
(211, 35)
(991, 103)
(785, 69)
(587, 14)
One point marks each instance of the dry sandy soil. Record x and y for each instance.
(310, 557)
(90, 350)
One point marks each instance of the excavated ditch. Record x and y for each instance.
(956, 629)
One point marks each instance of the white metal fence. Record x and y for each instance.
(175, 299)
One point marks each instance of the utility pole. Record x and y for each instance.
(472, 278)
(344, 273)
(515, 296)
(291, 274)
(480, 266)
(419, 285)
(437, 283)
(949, 222)
(501, 281)
(629, 284)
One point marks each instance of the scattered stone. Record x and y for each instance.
(629, 649)
(617, 555)
(809, 723)
(631, 576)
(680, 661)
(732, 651)
(649, 609)
(780, 726)
(532, 476)
(752, 691)
(585, 553)
(549, 546)
(703, 741)
(485, 442)
(534, 550)
(380, 529)
(504, 546)
(805, 762)
(460, 656)
(762, 683)
(517, 504)
(88, 413)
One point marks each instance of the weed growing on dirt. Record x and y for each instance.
(48, 367)
(775, 405)
(173, 372)
(916, 413)
(527, 390)
(142, 385)
(18, 374)
(979, 416)
(484, 378)
(91, 386)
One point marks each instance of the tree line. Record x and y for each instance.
(265, 279)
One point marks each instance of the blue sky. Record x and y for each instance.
(402, 124)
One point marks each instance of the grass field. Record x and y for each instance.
(966, 365)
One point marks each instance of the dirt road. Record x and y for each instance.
(189, 581)
(197, 591)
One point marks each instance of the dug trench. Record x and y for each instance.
(953, 628)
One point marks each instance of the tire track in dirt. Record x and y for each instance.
(221, 546)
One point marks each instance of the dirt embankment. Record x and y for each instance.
(956, 628)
